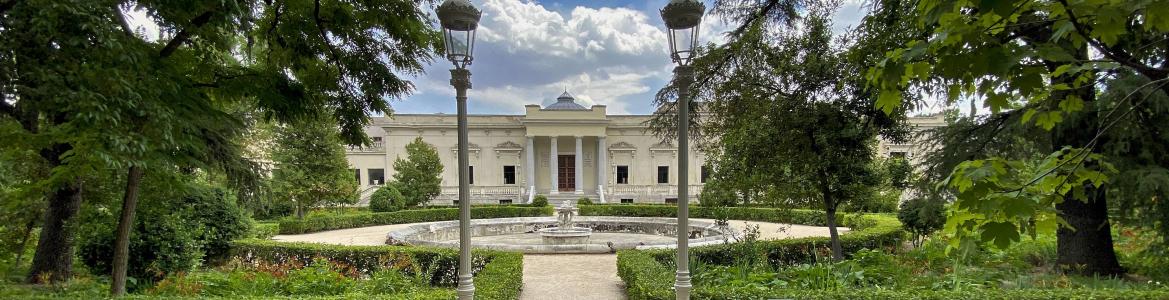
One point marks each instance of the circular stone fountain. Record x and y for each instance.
(565, 233)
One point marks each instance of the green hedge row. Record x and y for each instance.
(264, 230)
(498, 275)
(793, 216)
(648, 274)
(875, 294)
(315, 224)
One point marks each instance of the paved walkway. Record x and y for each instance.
(571, 277)
(557, 276)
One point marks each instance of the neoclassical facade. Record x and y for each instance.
(564, 151)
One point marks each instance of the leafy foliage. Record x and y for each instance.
(311, 168)
(418, 176)
(387, 199)
(315, 224)
(540, 201)
(922, 216)
(584, 201)
(176, 230)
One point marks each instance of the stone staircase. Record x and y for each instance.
(557, 200)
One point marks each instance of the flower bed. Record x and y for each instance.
(498, 275)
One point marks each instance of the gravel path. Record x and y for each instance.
(557, 276)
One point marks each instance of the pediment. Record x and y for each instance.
(508, 145)
(622, 146)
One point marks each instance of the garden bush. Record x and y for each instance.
(584, 201)
(540, 201)
(387, 199)
(498, 275)
(315, 224)
(169, 234)
(922, 216)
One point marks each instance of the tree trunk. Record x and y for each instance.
(830, 216)
(53, 261)
(125, 224)
(1086, 248)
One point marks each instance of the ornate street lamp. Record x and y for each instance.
(682, 18)
(459, 20)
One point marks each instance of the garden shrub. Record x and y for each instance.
(169, 235)
(498, 275)
(922, 216)
(316, 279)
(539, 201)
(387, 199)
(315, 224)
(264, 230)
(717, 193)
(584, 201)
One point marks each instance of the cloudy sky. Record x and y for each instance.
(607, 52)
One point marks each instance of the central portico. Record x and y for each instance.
(562, 130)
(563, 150)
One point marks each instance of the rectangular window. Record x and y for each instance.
(377, 177)
(622, 174)
(470, 174)
(508, 174)
(663, 174)
(505, 201)
(671, 200)
(705, 174)
(356, 175)
(376, 139)
(455, 202)
(626, 201)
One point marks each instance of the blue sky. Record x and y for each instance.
(527, 52)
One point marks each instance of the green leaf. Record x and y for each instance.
(889, 100)
(1053, 53)
(1071, 103)
(1000, 234)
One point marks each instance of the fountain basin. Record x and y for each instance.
(565, 236)
(608, 234)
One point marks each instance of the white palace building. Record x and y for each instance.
(563, 150)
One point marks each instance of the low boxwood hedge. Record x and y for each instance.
(793, 216)
(648, 273)
(315, 224)
(498, 275)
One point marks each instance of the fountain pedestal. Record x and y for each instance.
(566, 232)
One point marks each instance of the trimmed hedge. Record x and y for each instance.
(877, 294)
(264, 230)
(648, 275)
(793, 216)
(498, 275)
(315, 224)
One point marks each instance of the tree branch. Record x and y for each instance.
(184, 35)
(1113, 53)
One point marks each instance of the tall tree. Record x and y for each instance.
(418, 176)
(792, 105)
(310, 165)
(1029, 61)
(73, 86)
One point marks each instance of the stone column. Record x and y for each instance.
(579, 165)
(554, 166)
(530, 167)
(602, 166)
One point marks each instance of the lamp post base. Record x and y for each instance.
(466, 289)
(682, 285)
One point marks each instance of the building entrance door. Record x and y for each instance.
(566, 173)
